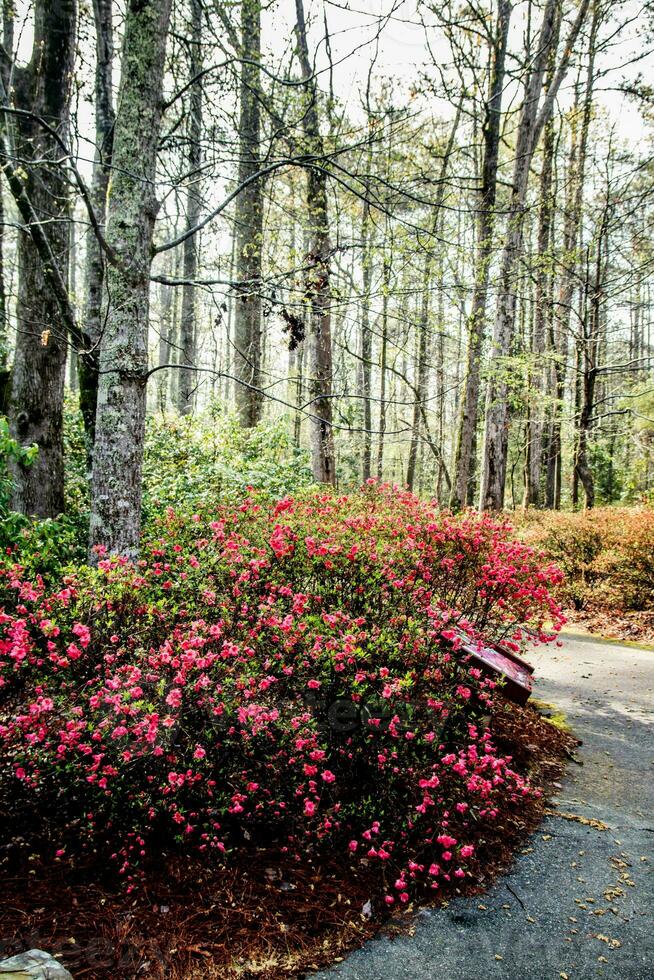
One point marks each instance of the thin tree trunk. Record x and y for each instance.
(569, 263)
(4, 317)
(249, 225)
(73, 379)
(423, 327)
(131, 212)
(542, 313)
(43, 90)
(323, 462)
(366, 337)
(421, 368)
(165, 345)
(589, 358)
(386, 282)
(467, 428)
(188, 327)
(95, 260)
(532, 120)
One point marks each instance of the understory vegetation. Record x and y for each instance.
(606, 558)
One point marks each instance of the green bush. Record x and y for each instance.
(197, 459)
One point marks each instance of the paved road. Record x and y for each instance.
(579, 902)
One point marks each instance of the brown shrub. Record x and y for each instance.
(606, 554)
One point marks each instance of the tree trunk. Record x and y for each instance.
(421, 368)
(423, 328)
(43, 90)
(95, 260)
(319, 381)
(73, 378)
(386, 282)
(591, 336)
(569, 262)
(131, 212)
(466, 441)
(496, 435)
(188, 328)
(165, 344)
(542, 316)
(4, 318)
(249, 225)
(366, 337)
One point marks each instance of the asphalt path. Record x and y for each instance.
(579, 901)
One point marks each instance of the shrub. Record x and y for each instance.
(39, 545)
(606, 554)
(286, 675)
(195, 459)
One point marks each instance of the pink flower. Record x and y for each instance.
(174, 699)
(83, 633)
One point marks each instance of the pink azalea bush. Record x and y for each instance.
(285, 676)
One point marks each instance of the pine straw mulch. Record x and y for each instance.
(257, 917)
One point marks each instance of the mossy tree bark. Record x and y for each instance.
(41, 93)
(131, 212)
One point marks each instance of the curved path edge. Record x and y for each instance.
(579, 901)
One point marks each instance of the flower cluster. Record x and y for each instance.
(286, 676)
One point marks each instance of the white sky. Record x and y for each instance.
(403, 54)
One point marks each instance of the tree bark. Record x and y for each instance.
(467, 427)
(42, 90)
(591, 337)
(319, 381)
(188, 328)
(95, 260)
(131, 212)
(4, 318)
(423, 327)
(383, 356)
(366, 336)
(165, 344)
(249, 225)
(542, 315)
(422, 367)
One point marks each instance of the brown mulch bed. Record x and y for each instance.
(635, 627)
(256, 917)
